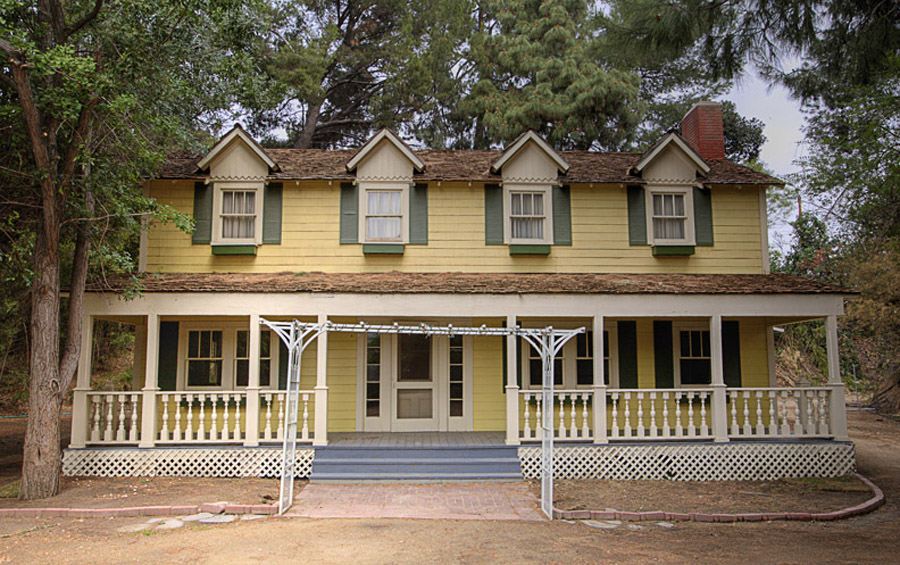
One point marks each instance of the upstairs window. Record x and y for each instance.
(670, 218)
(238, 215)
(384, 216)
(528, 214)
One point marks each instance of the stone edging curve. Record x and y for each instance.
(212, 508)
(863, 508)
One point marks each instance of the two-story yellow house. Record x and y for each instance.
(661, 256)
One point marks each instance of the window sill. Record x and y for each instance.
(672, 250)
(235, 249)
(383, 248)
(520, 249)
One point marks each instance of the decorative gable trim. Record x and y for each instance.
(237, 132)
(390, 136)
(520, 142)
(668, 139)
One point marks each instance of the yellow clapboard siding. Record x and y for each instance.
(488, 398)
(310, 237)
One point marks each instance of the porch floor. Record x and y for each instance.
(416, 439)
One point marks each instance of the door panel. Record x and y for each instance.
(414, 385)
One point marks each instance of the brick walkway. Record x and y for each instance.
(471, 501)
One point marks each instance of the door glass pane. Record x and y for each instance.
(414, 403)
(415, 358)
(373, 374)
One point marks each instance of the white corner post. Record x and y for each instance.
(835, 382)
(251, 439)
(320, 433)
(599, 389)
(151, 377)
(81, 411)
(512, 386)
(719, 393)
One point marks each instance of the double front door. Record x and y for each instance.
(416, 383)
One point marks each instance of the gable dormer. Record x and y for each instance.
(385, 157)
(671, 160)
(529, 159)
(236, 209)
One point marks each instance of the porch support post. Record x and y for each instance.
(838, 406)
(512, 386)
(599, 390)
(139, 363)
(251, 439)
(151, 377)
(320, 433)
(719, 393)
(81, 411)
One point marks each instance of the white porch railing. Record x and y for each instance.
(201, 417)
(271, 407)
(113, 417)
(780, 412)
(682, 414)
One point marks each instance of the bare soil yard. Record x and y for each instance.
(865, 539)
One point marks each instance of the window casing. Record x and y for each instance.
(204, 358)
(237, 213)
(528, 214)
(670, 216)
(242, 359)
(384, 214)
(693, 362)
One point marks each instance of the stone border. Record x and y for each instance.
(212, 508)
(864, 508)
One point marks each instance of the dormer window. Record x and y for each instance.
(528, 214)
(384, 215)
(670, 216)
(239, 214)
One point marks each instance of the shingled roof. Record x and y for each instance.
(472, 166)
(473, 283)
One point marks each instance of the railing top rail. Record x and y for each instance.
(557, 391)
(111, 392)
(675, 390)
(776, 388)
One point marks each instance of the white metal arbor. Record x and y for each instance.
(298, 335)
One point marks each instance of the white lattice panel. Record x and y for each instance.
(695, 462)
(182, 462)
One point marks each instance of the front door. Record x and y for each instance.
(414, 395)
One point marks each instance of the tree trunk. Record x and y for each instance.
(41, 465)
(309, 128)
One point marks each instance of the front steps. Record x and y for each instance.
(415, 464)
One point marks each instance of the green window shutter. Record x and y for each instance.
(418, 214)
(731, 353)
(637, 216)
(168, 355)
(562, 216)
(272, 213)
(628, 365)
(662, 350)
(282, 365)
(349, 213)
(493, 214)
(703, 221)
(203, 205)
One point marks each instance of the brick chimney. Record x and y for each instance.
(702, 128)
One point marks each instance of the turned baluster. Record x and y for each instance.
(135, 409)
(179, 434)
(585, 428)
(748, 430)
(653, 430)
(538, 416)
(226, 431)
(108, 431)
(201, 423)
(665, 415)
(120, 428)
(304, 434)
(279, 430)
(640, 415)
(773, 409)
(562, 416)
(214, 418)
(189, 428)
(626, 400)
(734, 421)
(95, 419)
(237, 417)
(615, 414)
(704, 427)
(267, 432)
(809, 395)
(526, 429)
(679, 428)
(164, 429)
(692, 428)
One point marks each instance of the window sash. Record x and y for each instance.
(238, 214)
(669, 215)
(527, 215)
(204, 358)
(694, 357)
(384, 215)
(242, 358)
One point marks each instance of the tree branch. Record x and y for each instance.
(88, 18)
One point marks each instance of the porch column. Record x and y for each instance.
(512, 386)
(719, 393)
(151, 376)
(81, 410)
(599, 390)
(251, 439)
(320, 433)
(838, 406)
(139, 361)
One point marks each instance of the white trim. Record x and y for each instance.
(547, 191)
(219, 188)
(676, 139)
(689, 228)
(392, 138)
(367, 186)
(523, 139)
(237, 133)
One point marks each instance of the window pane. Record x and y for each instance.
(585, 368)
(373, 408)
(706, 349)
(695, 371)
(227, 202)
(373, 373)
(373, 391)
(696, 345)
(668, 205)
(557, 372)
(373, 340)
(384, 228)
(265, 345)
(204, 344)
(249, 202)
(606, 344)
(679, 204)
(657, 205)
(456, 355)
(538, 204)
(527, 207)
(265, 372)
(242, 378)
(606, 374)
(456, 373)
(414, 358)
(373, 356)
(685, 338)
(534, 370)
(241, 346)
(204, 373)
(516, 204)
(456, 408)
(216, 341)
(193, 344)
(456, 390)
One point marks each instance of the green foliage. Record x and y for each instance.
(536, 68)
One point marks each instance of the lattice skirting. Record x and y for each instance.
(183, 462)
(744, 461)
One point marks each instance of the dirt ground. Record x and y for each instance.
(865, 539)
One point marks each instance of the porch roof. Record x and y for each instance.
(395, 282)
